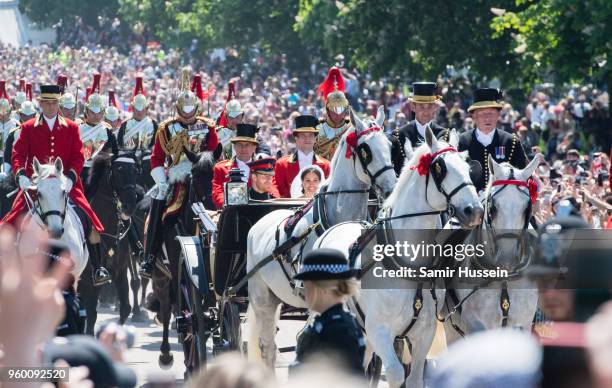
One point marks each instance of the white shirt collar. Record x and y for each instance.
(246, 170)
(50, 122)
(483, 138)
(421, 128)
(305, 160)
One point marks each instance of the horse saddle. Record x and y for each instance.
(296, 217)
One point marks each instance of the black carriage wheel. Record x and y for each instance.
(373, 371)
(200, 331)
(231, 332)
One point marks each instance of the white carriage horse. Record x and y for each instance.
(505, 302)
(435, 179)
(362, 160)
(51, 211)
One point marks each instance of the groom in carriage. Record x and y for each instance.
(46, 137)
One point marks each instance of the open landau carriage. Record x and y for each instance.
(214, 283)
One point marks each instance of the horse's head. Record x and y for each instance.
(448, 180)
(201, 176)
(509, 197)
(51, 188)
(370, 150)
(124, 172)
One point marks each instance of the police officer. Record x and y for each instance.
(328, 281)
(424, 103)
(485, 139)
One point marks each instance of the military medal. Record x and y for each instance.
(500, 152)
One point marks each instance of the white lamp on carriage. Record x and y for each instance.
(236, 190)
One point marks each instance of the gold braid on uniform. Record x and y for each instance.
(486, 165)
(172, 147)
(396, 136)
(514, 140)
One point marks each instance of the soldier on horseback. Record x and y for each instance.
(232, 115)
(7, 124)
(336, 121)
(176, 142)
(138, 132)
(46, 137)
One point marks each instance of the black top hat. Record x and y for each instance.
(245, 132)
(50, 92)
(425, 92)
(263, 166)
(306, 123)
(486, 98)
(83, 350)
(325, 264)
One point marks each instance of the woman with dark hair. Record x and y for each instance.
(307, 182)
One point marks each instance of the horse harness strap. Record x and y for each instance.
(504, 303)
(417, 305)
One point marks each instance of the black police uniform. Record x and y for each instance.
(505, 147)
(409, 131)
(334, 332)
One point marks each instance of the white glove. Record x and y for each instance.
(24, 182)
(69, 185)
(3, 175)
(7, 167)
(159, 176)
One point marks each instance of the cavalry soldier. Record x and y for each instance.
(262, 173)
(138, 133)
(46, 137)
(97, 136)
(7, 123)
(288, 167)
(20, 97)
(424, 103)
(112, 116)
(26, 112)
(336, 107)
(486, 139)
(231, 116)
(185, 133)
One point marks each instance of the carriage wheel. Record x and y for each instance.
(231, 333)
(373, 371)
(200, 329)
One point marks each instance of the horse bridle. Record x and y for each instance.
(35, 207)
(109, 179)
(364, 155)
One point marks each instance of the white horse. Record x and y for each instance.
(51, 211)
(506, 223)
(416, 203)
(362, 160)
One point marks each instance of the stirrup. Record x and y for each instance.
(101, 277)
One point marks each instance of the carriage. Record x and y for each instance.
(213, 278)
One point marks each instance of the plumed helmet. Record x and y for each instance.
(111, 113)
(139, 99)
(332, 90)
(67, 101)
(95, 103)
(233, 108)
(5, 103)
(187, 101)
(21, 96)
(27, 108)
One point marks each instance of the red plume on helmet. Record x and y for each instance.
(3, 91)
(334, 80)
(87, 93)
(111, 99)
(21, 85)
(139, 88)
(62, 82)
(96, 82)
(28, 91)
(196, 87)
(231, 94)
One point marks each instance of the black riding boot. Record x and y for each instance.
(152, 239)
(100, 274)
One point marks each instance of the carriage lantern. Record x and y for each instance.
(236, 191)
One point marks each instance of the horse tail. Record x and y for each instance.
(253, 349)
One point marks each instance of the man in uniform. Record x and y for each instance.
(289, 166)
(138, 132)
(424, 104)
(67, 100)
(486, 139)
(46, 137)
(262, 173)
(336, 107)
(231, 116)
(7, 123)
(97, 136)
(185, 133)
(245, 144)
